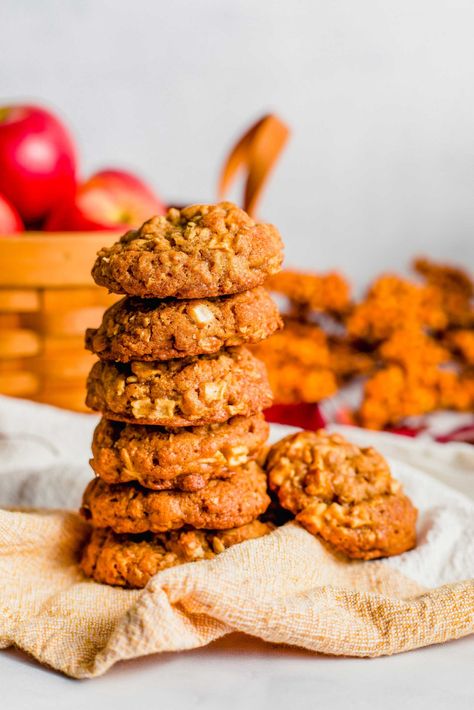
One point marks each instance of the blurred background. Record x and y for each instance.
(379, 97)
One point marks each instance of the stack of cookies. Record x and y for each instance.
(181, 397)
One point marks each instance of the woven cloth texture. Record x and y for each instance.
(285, 588)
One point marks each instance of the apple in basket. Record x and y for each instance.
(37, 161)
(110, 199)
(10, 220)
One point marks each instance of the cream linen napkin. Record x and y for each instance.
(284, 588)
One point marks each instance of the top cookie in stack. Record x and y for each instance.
(180, 394)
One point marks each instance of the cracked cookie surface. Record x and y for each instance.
(343, 493)
(147, 329)
(199, 251)
(185, 392)
(131, 561)
(222, 504)
(185, 458)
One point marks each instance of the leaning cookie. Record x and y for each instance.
(197, 252)
(131, 561)
(147, 329)
(185, 458)
(189, 392)
(343, 493)
(222, 504)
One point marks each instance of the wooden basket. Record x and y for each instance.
(47, 300)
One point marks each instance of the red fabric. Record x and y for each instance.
(303, 415)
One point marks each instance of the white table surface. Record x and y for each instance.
(240, 672)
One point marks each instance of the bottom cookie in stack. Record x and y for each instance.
(205, 492)
(131, 560)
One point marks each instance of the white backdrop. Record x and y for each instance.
(380, 96)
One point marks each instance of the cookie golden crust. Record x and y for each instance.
(131, 561)
(136, 329)
(222, 504)
(200, 251)
(184, 458)
(343, 493)
(188, 392)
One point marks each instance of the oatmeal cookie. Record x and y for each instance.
(137, 329)
(128, 508)
(131, 561)
(343, 493)
(200, 251)
(185, 458)
(188, 392)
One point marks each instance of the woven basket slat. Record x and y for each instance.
(47, 300)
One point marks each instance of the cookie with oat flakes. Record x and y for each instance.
(185, 458)
(192, 391)
(342, 493)
(149, 329)
(132, 560)
(200, 251)
(222, 504)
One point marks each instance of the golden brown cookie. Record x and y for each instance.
(186, 392)
(128, 508)
(343, 493)
(138, 329)
(185, 458)
(131, 561)
(200, 251)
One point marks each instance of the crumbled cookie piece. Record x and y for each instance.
(200, 251)
(222, 504)
(185, 458)
(131, 561)
(184, 392)
(342, 493)
(150, 329)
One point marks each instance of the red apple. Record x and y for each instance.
(37, 161)
(110, 199)
(10, 220)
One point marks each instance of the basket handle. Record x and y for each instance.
(257, 152)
